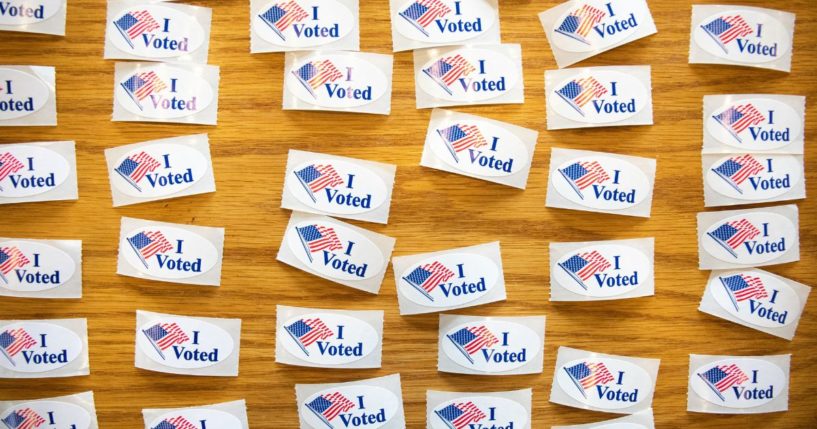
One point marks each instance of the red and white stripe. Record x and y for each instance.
(739, 29)
(470, 414)
(329, 178)
(145, 23)
(439, 274)
(591, 88)
(746, 231)
(16, 260)
(599, 374)
(473, 138)
(595, 263)
(589, 17)
(10, 164)
(485, 338)
(181, 423)
(174, 336)
(147, 164)
(31, 419)
(319, 331)
(436, 9)
(22, 341)
(340, 404)
(327, 72)
(294, 13)
(329, 241)
(735, 376)
(159, 244)
(751, 116)
(595, 174)
(749, 167)
(459, 67)
(756, 289)
(152, 84)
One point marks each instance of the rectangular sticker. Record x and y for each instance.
(738, 384)
(304, 25)
(602, 270)
(45, 17)
(28, 96)
(449, 279)
(741, 36)
(372, 401)
(600, 182)
(338, 81)
(447, 410)
(326, 338)
(44, 348)
(754, 123)
(73, 411)
(38, 171)
(231, 415)
(598, 97)
(577, 30)
(160, 169)
(336, 251)
(491, 345)
(479, 147)
(745, 178)
(169, 252)
(41, 268)
(338, 186)
(756, 299)
(639, 420)
(748, 238)
(144, 30)
(187, 345)
(469, 75)
(179, 93)
(602, 382)
(431, 23)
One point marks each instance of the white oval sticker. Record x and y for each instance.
(335, 250)
(444, 21)
(599, 98)
(159, 170)
(154, 31)
(739, 382)
(21, 94)
(754, 177)
(449, 280)
(592, 25)
(480, 148)
(606, 383)
(304, 23)
(756, 298)
(329, 338)
(746, 36)
(38, 347)
(53, 412)
(168, 252)
(337, 187)
(603, 271)
(23, 12)
(481, 412)
(195, 418)
(469, 75)
(30, 266)
(164, 92)
(337, 81)
(601, 182)
(755, 124)
(180, 342)
(751, 238)
(350, 406)
(491, 346)
(31, 170)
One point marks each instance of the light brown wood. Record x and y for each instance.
(431, 210)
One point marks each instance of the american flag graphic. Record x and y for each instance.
(720, 378)
(446, 71)
(162, 336)
(737, 119)
(588, 374)
(329, 406)
(585, 265)
(14, 341)
(422, 13)
(723, 30)
(731, 235)
(11, 258)
(314, 74)
(316, 238)
(315, 178)
(473, 339)
(578, 92)
(9, 165)
(25, 418)
(281, 15)
(135, 167)
(141, 85)
(578, 24)
(175, 423)
(458, 416)
(737, 169)
(741, 287)
(427, 277)
(460, 137)
(147, 244)
(581, 175)
(306, 332)
(134, 24)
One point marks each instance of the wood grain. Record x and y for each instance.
(431, 210)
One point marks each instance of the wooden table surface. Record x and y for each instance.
(431, 210)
